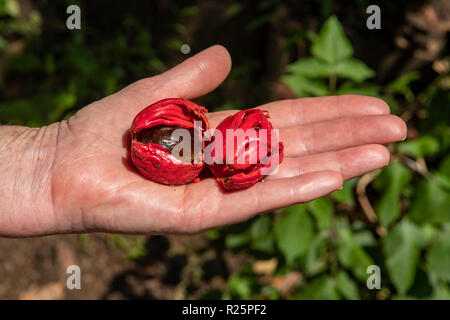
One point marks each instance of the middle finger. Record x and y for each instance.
(342, 133)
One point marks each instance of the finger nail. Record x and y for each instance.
(404, 138)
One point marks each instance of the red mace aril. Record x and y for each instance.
(154, 139)
(247, 159)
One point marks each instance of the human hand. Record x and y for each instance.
(78, 176)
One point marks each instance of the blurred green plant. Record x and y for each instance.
(133, 248)
(329, 240)
(332, 59)
(44, 64)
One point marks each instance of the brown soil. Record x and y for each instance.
(173, 268)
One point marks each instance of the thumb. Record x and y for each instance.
(194, 77)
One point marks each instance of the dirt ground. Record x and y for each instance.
(173, 267)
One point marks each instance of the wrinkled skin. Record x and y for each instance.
(75, 176)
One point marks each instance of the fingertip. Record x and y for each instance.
(199, 74)
(335, 180)
(379, 154)
(317, 184)
(378, 106)
(213, 62)
(398, 128)
(195, 76)
(222, 56)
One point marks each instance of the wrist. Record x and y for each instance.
(26, 159)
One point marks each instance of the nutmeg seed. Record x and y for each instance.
(163, 136)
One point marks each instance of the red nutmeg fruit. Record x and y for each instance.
(247, 158)
(153, 141)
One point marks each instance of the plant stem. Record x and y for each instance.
(332, 84)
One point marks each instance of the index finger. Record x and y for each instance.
(292, 112)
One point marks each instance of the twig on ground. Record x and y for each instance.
(368, 210)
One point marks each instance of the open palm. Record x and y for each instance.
(94, 185)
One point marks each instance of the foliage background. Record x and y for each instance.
(397, 218)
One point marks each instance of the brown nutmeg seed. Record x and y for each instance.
(163, 136)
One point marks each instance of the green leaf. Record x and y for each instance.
(331, 45)
(365, 238)
(444, 167)
(269, 292)
(429, 232)
(438, 257)
(402, 82)
(420, 147)
(346, 286)
(189, 11)
(441, 291)
(232, 11)
(353, 69)
(12, 8)
(62, 102)
(262, 237)
(136, 250)
(392, 180)
(322, 210)
(350, 254)
(294, 233)
(316, 261)
(212, 234)
(310, 68)
(430, 202)
(446, 226)
(422, 287)
(392, 103)
(260, 227)
(174, 45)
(322, 288)
(235, 240)
(240, 286)
(304, 87)
(118, 240)
(388, 208)
(266, 244)
(401, 249)
(345, 195)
